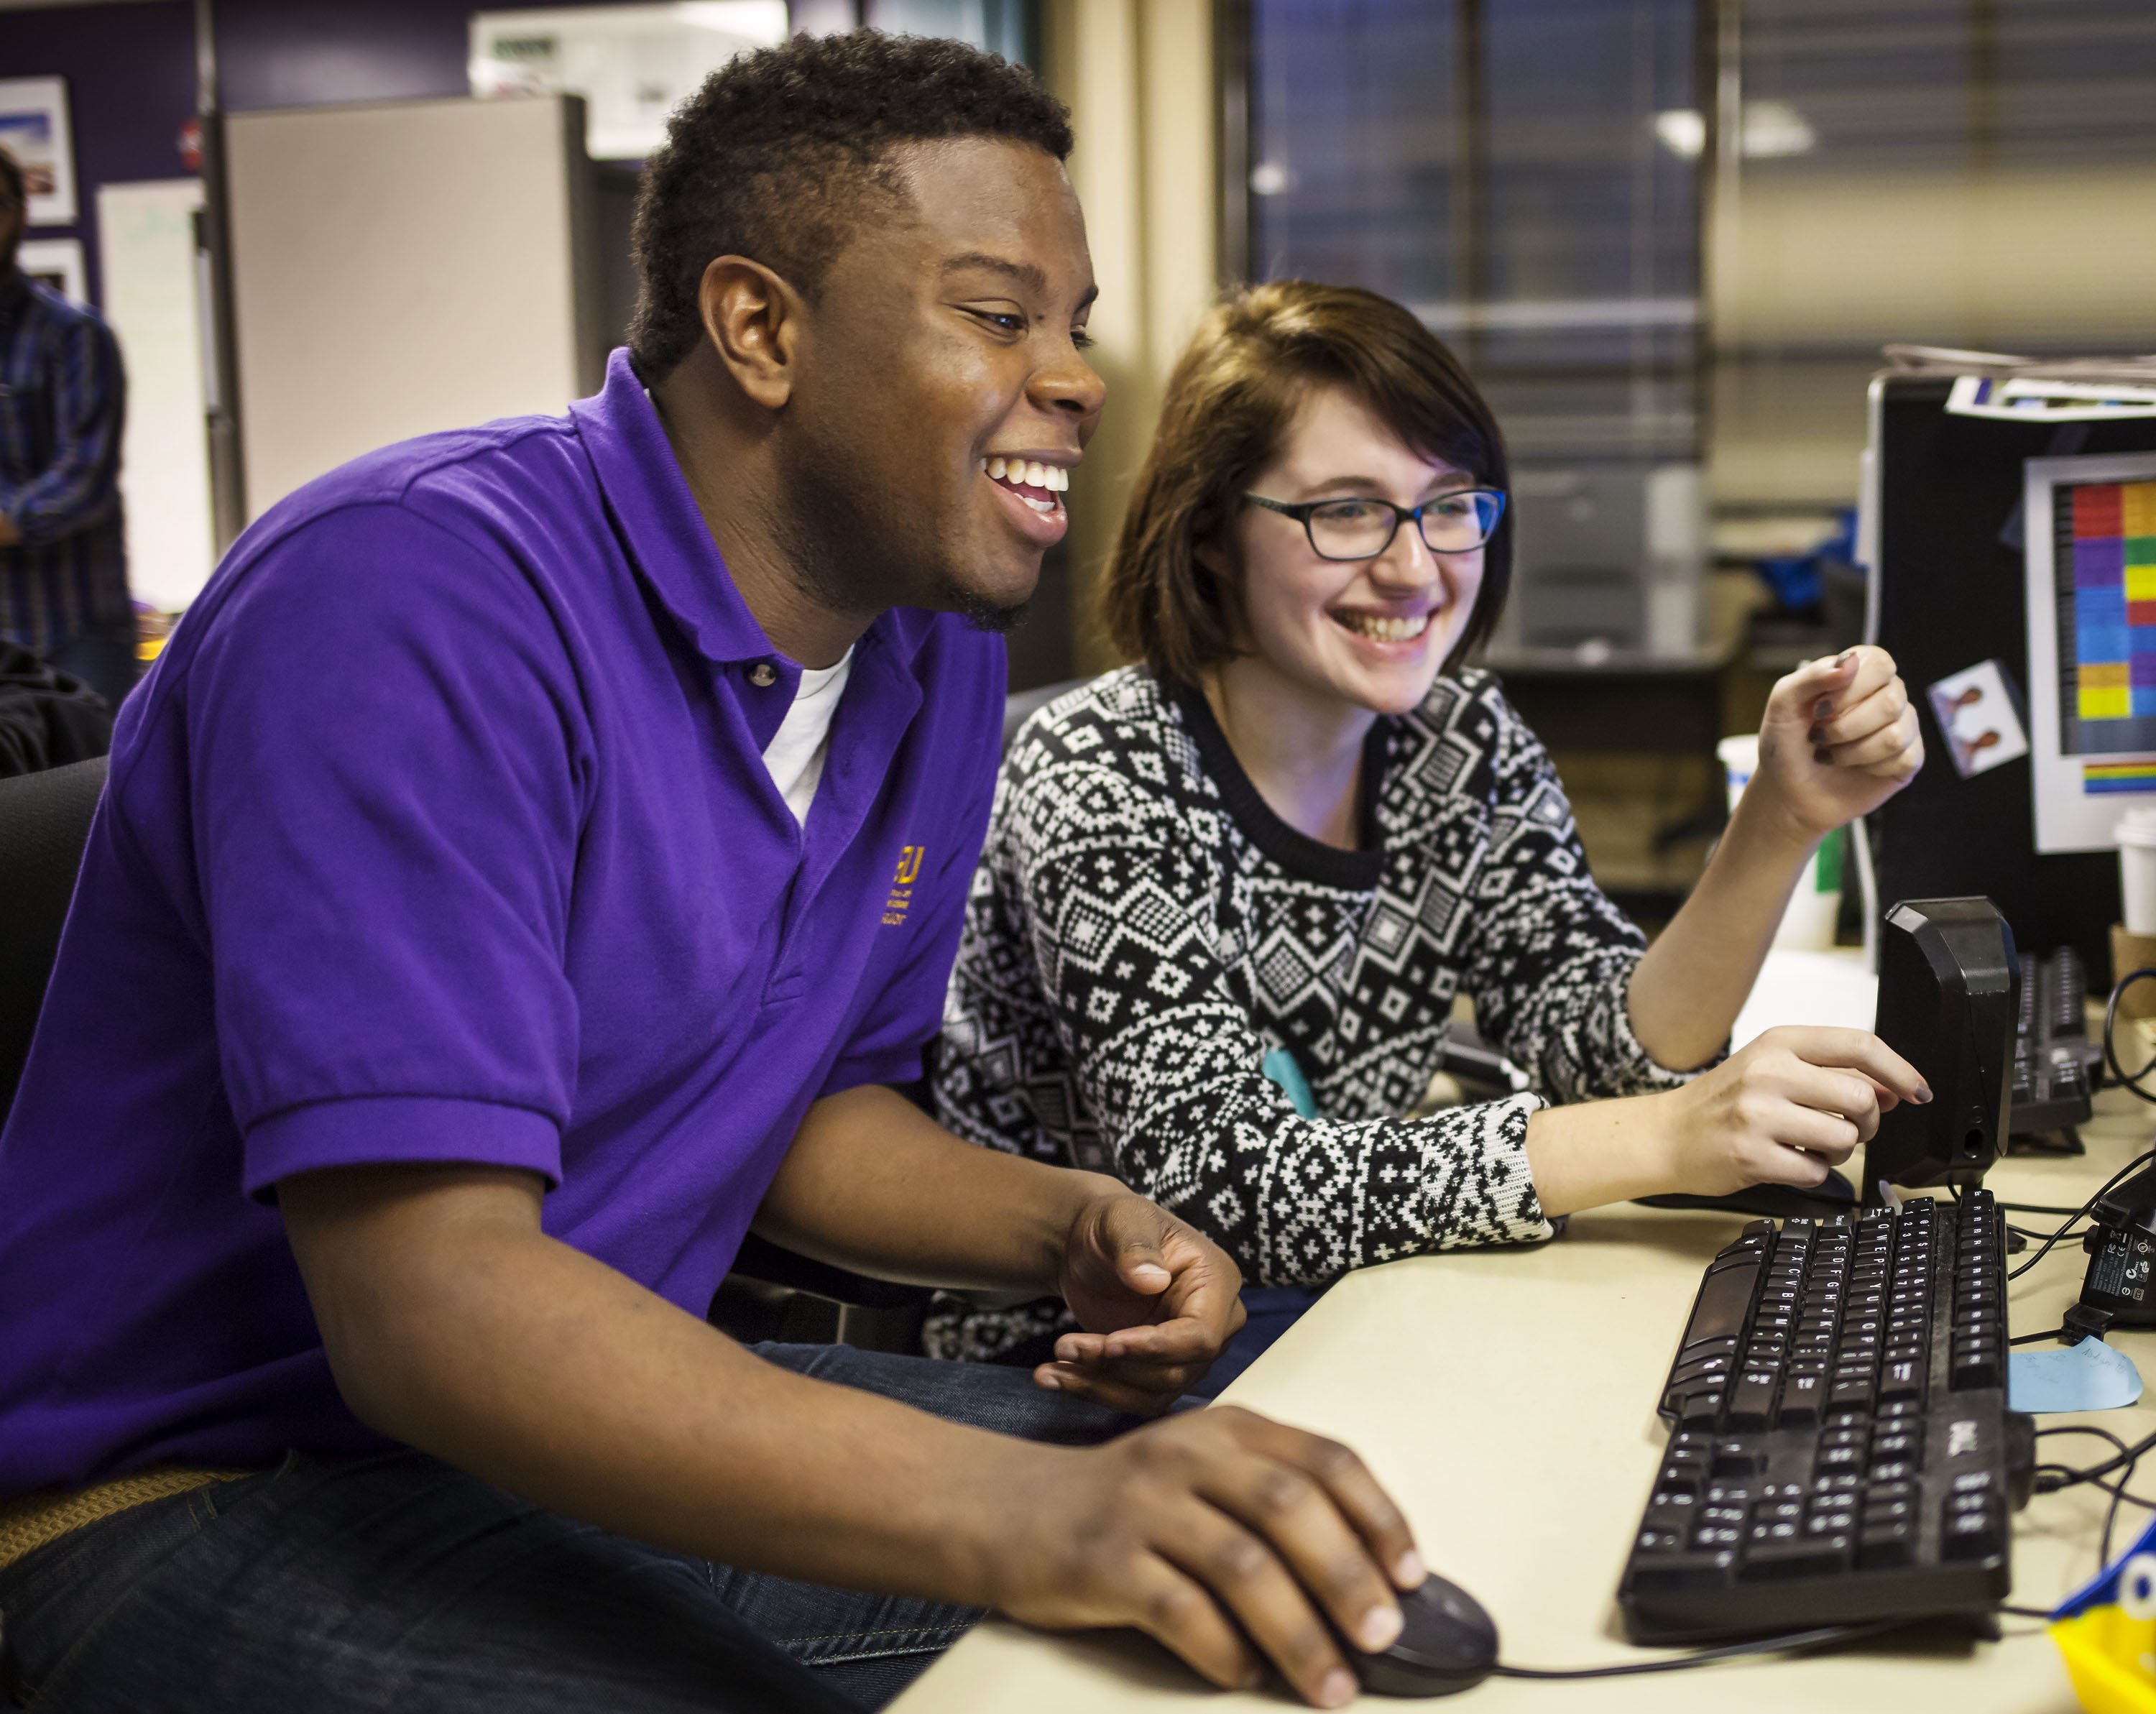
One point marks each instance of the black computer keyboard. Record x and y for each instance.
(1840, 1448)
(2057, 1067)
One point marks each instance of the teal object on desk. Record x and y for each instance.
(2090, 1376)
(1280, 1065)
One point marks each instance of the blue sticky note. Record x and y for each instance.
(2090, 1376)
(1280, 1065)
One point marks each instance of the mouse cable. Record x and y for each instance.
(2037, 1207)
(2110, 1049)
(1825, 1637)
(2059, 1236)
(2133, 1165)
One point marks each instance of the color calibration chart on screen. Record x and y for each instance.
(2092, 666)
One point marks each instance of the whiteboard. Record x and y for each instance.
(400, 267)
(146, 234)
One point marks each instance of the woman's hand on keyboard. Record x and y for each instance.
(1782, 1109)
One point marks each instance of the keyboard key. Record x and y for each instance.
(1799, 1406)
(1811, 1556)
(1751, 1402)
(1886, 1544)
(1854, 1391)
(1708, 1346)
(1970, 1373)
(1972, 1531)
(1652, 1540)
(1700, 1409)
(1672, 1574)
(1740, 1458)
(1724, 1300)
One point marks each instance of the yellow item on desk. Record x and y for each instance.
(2108, 1632)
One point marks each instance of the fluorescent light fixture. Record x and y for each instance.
(1769, 129)
(1773, 128)
(1682, 132)
(633, 65)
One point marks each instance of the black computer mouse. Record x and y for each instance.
(1447, 1643)
(1833, 1195)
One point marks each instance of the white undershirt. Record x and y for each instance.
(795, 754)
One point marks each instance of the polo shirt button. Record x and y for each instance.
(762, 676)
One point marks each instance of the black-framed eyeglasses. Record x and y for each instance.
(1361, 528)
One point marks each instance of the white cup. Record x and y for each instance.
(1809, 922)
(2136, 833)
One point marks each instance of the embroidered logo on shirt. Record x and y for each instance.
(901, 885)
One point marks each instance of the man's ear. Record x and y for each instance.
(754, 321)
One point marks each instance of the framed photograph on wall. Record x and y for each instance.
(56, 262)
(33, 126)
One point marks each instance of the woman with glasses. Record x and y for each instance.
(1230, 893)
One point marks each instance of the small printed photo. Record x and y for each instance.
(34, 128)
(1979, 713)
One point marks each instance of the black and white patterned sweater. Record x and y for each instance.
(1144, 930)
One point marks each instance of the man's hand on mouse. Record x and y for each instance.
(1782, 1110)
(1839, 737)
(1157, 1301)
(1211, 1530)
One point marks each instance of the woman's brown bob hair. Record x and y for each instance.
(1230, 403)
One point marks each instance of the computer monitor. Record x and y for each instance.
(1943, 530)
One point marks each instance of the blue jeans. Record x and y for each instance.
(394, 1581)
(1271, 1311)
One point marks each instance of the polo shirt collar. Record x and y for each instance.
(657, 516)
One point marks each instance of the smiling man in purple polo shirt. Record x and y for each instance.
(527, 868)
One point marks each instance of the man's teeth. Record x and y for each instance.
(1028, 474)
(1385, 630)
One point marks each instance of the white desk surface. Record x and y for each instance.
(1506, 1398)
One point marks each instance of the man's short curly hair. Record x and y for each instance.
(776, 156)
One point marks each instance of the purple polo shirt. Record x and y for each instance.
(441, 832)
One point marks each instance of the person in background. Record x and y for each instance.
(1231, 893)
(63, 397)
(534, 860)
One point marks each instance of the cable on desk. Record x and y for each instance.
(2026, 1612)
(1824, 1637)
(2051, 1478)
(2110, 1050)
(2033, 1338)
(2133, 1165)
(2037, 1208)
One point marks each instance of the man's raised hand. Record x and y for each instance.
(1158, 1302)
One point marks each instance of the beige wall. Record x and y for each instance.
(1138, 77)
(1814, 270)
